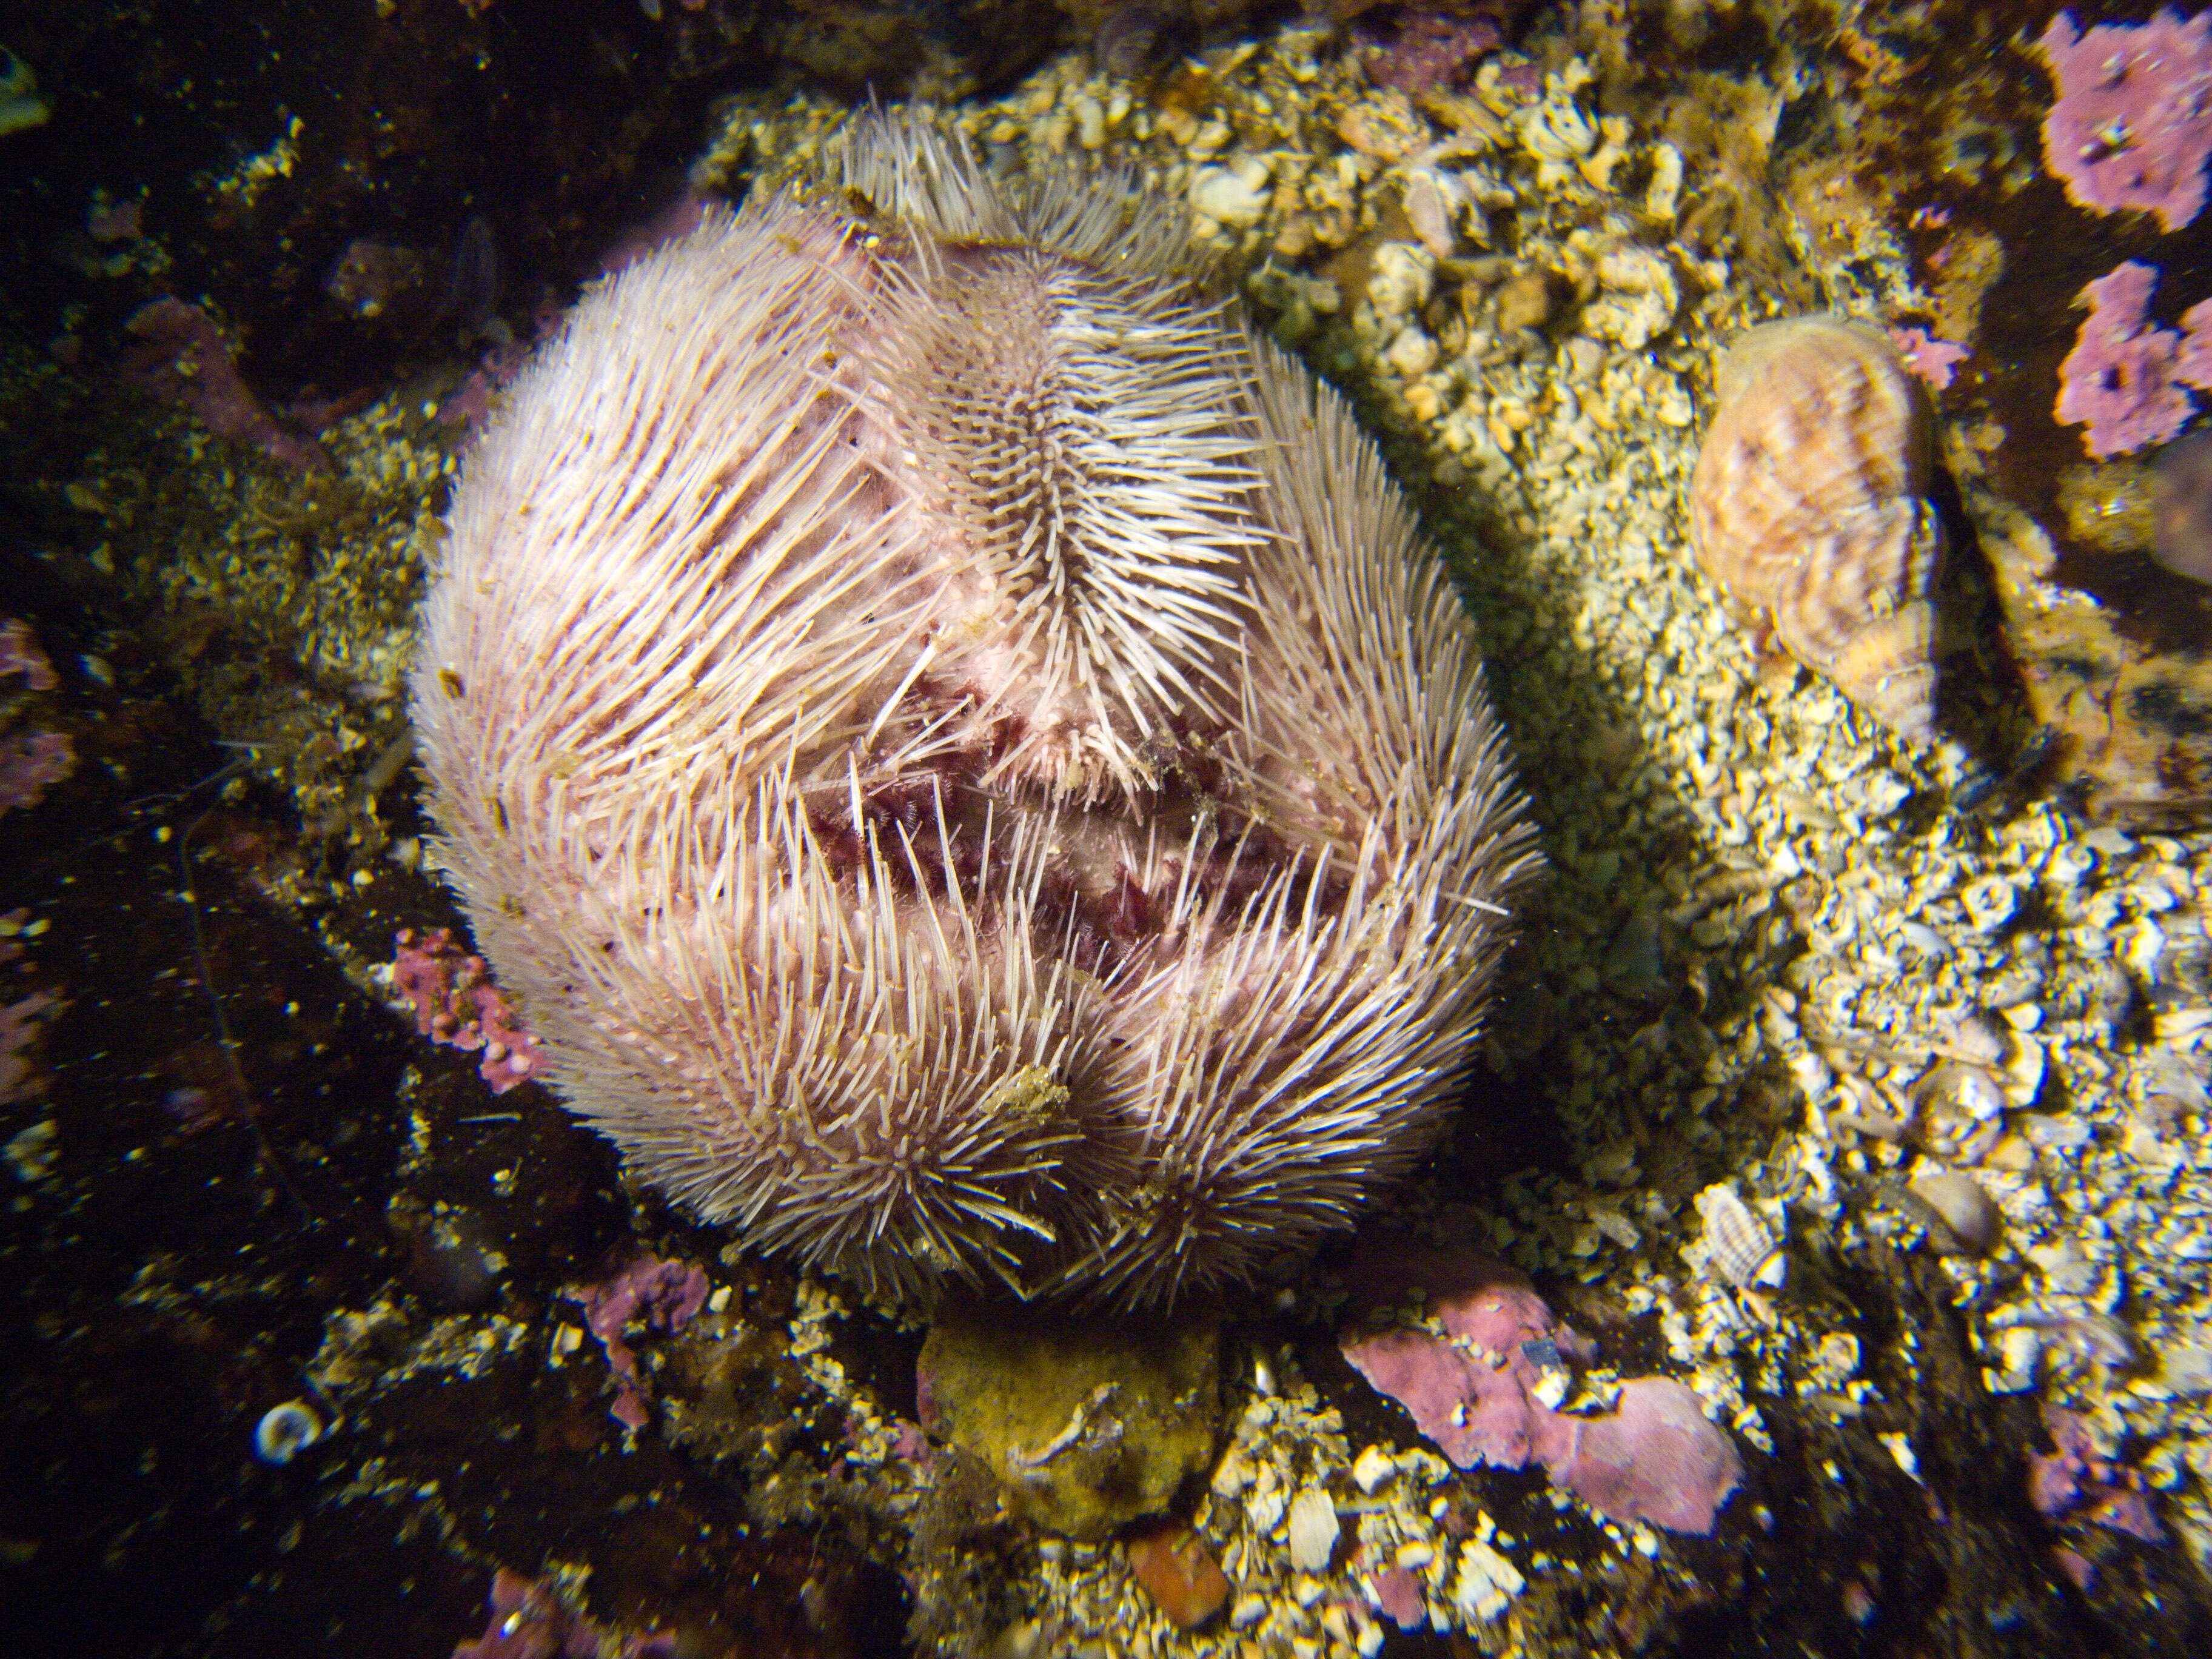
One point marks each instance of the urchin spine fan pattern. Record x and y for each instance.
(959, 750)
(1073, 433)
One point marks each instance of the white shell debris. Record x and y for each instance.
(1488, 1582)
(1371, 1468)
(1638, 297)
(286, 1431)
(1235, 195)
(1313, 1530)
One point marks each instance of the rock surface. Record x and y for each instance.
(1088, 1424)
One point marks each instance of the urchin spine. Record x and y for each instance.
(960, 750)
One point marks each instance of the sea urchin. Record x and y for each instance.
(957, 748)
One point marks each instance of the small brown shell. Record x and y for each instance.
(1958, 1111)
(1808, 507)
(1741, 1248)
(1964, 1206)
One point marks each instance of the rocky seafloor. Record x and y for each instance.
(1856, 1083)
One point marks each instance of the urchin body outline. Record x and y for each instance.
(866, 888)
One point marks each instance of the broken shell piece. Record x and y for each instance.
(2171, 1075)
(1266, 1504)
(1437, 204)
(1314, 1530)
(2020, 1349)
(1637, 299)
(1558, 135)
(1970, 1213)
(1233, 1476)
(1401, 276)
(1742, 1248)
(1371, 1468)
(1979, 1036)
(2022, 1076)
(2070, 1338)
(2012, 1057)
(1809, 508)
(286, 1431)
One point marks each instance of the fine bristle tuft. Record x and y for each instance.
(960, 749)
(1068, 430)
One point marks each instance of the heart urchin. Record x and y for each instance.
(958, 748)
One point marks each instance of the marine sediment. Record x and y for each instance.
(1776, 957)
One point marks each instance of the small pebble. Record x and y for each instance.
(1412, 353)
(1371, 1468)
(1171, 1562)
(1089, 123)
(1525, 300)
(1233, 196)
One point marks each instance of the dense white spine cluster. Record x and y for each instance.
(959, 749)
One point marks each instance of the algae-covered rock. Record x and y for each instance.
(2128, 694)
(1088, 1423)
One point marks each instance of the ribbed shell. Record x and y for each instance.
(1808, 507)
(1741, 1248)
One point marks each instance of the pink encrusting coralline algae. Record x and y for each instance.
(19, 656)
(2126, 377)
(30, 760)
(182, 359)
(1932, 361)
(456, 1004)
(2076, 1476)
(529, 1620)
(666, 1296)
(1485, 1392)
(2132, 124)
(20, 1025)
